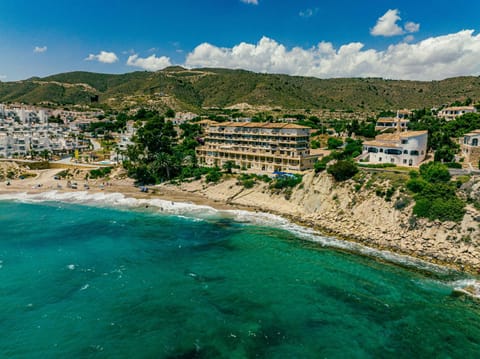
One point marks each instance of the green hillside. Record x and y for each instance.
(194, 89)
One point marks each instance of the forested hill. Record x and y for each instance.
(193, 89)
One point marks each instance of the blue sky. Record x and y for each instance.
(323, 38)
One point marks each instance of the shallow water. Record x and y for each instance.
(81, 281)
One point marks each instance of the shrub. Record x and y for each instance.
(213, 176)
(453, 165)
(389, 193)
(249, 183)
(319, 166)
(377, 165)
(416, 185)
(435, 172)
(286, 181)
(343, 170)
(100, 172)
(451, 209)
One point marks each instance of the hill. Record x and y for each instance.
(194, 89)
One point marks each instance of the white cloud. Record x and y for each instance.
(411, 27)
(433, 58)
(104, 57)
(3, 77)
(308, 13)
(387, 24)
(39, 49)
(151, 63)
(254, 2)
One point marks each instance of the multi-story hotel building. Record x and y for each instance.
(260, 146)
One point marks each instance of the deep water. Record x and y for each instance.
(79, 281)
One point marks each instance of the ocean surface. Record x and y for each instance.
(109, 277)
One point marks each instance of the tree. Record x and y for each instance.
(333, 143)
(228, 166)
(435, 172)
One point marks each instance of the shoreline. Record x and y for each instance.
(44, 183)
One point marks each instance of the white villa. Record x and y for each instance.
(407, 148)
(451, 113)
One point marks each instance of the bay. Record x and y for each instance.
(90, 282)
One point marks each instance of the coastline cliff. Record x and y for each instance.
(363, 215)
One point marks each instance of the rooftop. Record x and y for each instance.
(259, 125)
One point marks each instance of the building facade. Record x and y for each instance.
(451, 113)
(470, 149)
(264, 147)
(391, 124)
(402, 148)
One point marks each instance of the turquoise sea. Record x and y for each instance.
(86, 280)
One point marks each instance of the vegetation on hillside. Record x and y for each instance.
(200, 88)
(435, 195)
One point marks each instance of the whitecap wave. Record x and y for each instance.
(469, 287)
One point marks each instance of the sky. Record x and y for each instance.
(392, 39)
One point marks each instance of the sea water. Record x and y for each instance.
(164, 280)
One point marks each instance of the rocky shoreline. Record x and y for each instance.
(337, 210)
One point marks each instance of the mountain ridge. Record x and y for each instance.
(194, 89)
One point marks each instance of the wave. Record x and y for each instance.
(117, 200)
(469, 287)
(202, 212)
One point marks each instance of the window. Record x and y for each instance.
(380, 159)
(372, 150)
(404, 142)
(475, 142)
(413, 153)
(405, 161)
(381, 149)
(392, 151)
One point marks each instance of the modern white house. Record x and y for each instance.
(407, 148)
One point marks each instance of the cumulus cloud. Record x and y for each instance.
(151, 63)
(104, 57)
(411, 27)
(433, 58)
(39, 49)
(254, 2)
(387, 24)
